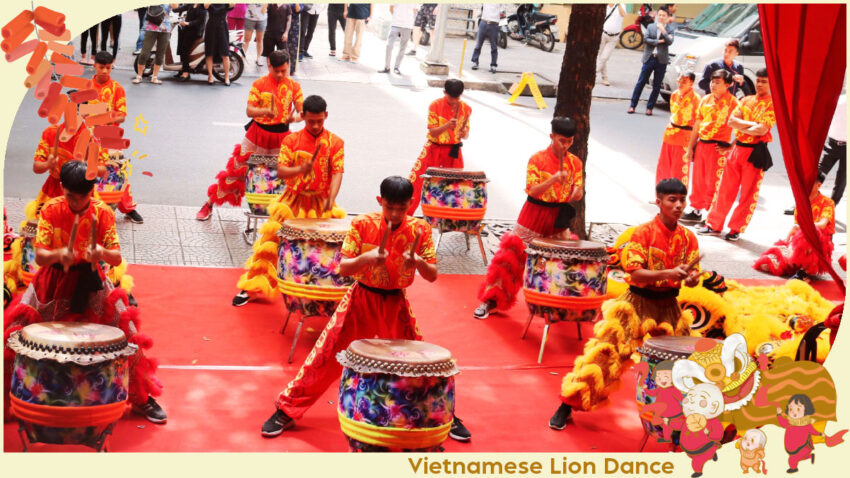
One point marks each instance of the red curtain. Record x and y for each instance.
(805, 49)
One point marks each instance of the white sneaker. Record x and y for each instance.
(260, 61)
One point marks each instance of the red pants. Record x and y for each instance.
(671, 163)
(804, 454)
(739, 174)
(698, 461)
(708, 167)
(432, 156)
(127, 204)
(361, 314)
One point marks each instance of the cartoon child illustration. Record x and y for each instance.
(701, 428)
(667, 408)
(797, 422)
(751, 445)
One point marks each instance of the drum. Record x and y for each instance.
(565, 280)
(110, 188)
(396, 395)
(454, 199)
(28, 265)
(308, 265)
(70, 381)
(261, 183)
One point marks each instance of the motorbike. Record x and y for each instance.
(503, 30)
(529, 26)
(197, 58)
(632, 36)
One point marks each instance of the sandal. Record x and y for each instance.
(649, 112)
(210, 81)
(155, 80)
(137, 80)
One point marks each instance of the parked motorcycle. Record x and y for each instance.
(632, 36)
(503, 30)
(538, 27)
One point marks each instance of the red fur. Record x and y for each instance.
(232, 193)
(765, 261)
(842, 262)
(143, 341)
(803, 255)
(506, 268)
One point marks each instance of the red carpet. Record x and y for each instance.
(223, 366)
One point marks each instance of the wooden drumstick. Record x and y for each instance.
(385, 238)
(414, 244)
(93, 246)
(72, 238)
(693, 263)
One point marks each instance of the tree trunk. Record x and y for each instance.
(578, 75)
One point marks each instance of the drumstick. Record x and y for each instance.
(93, 240)
(690, 265)
(73, 237)
(415, 243)
(384, 239)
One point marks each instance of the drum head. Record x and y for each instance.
(454, 173)
(30, 229)
(398, 357)
(670, 347)
(552, 243)
(268, 160)
(569, 250)
(82, 343)
(328, 230)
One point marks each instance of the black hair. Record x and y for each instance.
(690, 75)
(454, 87)
(761, 73)
(104, 58)
(315, 104)
(734, 43)
(73, 178)
(396, 189)
(564, 126)
(670, 186)
(665, 9)
(278, 58)
(724, 75)
(804, 400)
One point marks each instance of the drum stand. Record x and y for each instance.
(466, 235)
(301, 320)
(250, 232)
(100, 445)
(546, 316)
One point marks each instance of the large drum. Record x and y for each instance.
(70, 381)
(396, 395)
(565, 280)
(308, 265)
(111, 188)
(262, 185)
(454, 199)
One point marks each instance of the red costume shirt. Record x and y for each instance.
(297, 148)
(823, 208)
(712, 118)
(797, 437)
(112, 94)
(366, 233)
(752, 108)
(439, 113)
(57, 220)
(64, 149)
(265, 92)
(670, 396)
(698, 442)
(543, 165)
(654, 247)
(683, 112)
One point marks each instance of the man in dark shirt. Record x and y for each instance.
(727, 62)
(355, 24)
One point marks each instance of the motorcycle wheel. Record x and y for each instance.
(513, 28)
(631, 39)
(547, 40)
(237, 66)
(503, 40)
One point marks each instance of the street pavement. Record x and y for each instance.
(192, 128)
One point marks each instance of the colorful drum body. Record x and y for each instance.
(110, 188)
(69, 381)
(308, 265)
(262, 185)
(454, 199)
(396, 395)
(28, 265)
(565, 280)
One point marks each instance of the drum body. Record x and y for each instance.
(262, 185)
(28, 265)
(396, 395)
(110, 188)
(454, 199)
(565, 280)
(70, 381)
(308, 265)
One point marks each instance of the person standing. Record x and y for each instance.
(90, 34)
(683, 111)
(216, 40)
(294, 35)
(488, 29)
(728, 63)
(402, 26)
(255, 21)
(426, 18)
(745, 168)
(111, 26)
(277, 28)
(610, 36)
(356, 18)
(309, 19)
(336, 14)
(192, 28)
(658, 39)
(236, 16)
(836, 150)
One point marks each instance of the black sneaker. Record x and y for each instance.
(458, 431)
(241, 298)
(396, 71)
(708, 231)
(801, 275)
(559, 419)
(475, 66)
(276, 424)
(791, 470)
(790, 212)
(492, 69)
(732, 236)
(693, 216)
(482, 311)
(385, 70)
(307, 55)
(152, 411)
(411, 53)
(696, 474)
(135, 217)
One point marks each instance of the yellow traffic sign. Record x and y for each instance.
(527, 80)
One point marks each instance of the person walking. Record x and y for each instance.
(426, 18)
(655, 58)
(255, 21)
(309, 19)
(610, 36)
(336, 14)
(402, 26)
(294, 35)
(356, 19)
(488, 29)
(216, 39)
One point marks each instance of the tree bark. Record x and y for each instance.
(578, 75)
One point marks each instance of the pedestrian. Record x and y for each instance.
(426, 18)
(157, 31)
(217, 39)
(610, 36)
(273, 102)
(236, 17)
(356, 18)
(110, 27)
(746, 164)
(683, 112)
(255, 21)
(402, 26)
(709, 143)
(728, 63)
(448, 124)
(91, 33)
(554, 178)
(488, 29)
(309, 19)
(191, 28)
(142, 12)
(657, 40)
(336, 14)
(277, 28)
(294, 35)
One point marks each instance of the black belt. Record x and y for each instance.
(760, 157)
(686, 128)
(271, 128)
(88, 282)
(745, 145)
(714, 141)
(376, 290)
(836, 142)
(566, 212)
(490, 22)
(610, 34)
(653, 293)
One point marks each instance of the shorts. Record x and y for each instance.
(425, 16)
(255, 25)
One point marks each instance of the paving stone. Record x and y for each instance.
(159, 224)
(207, 256)
(191, 225)
(155, 237)
(236, 241)
(158, 254)
(230, 213)
(202, 239)
(233, 227)
(186, 212)
(156, 211)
